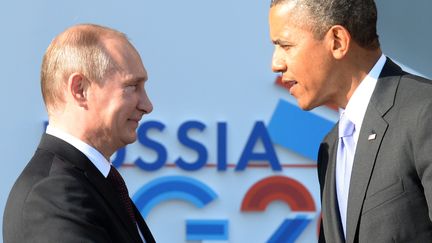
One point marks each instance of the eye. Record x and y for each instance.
(131, 88)
(285, 46)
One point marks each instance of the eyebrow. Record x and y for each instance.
(136, 80)
(280, 42)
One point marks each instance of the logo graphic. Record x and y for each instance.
(285, 189)
(207, 229)
(189, 190)
(172, 188)
(297, 130)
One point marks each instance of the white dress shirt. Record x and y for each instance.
(355, 111)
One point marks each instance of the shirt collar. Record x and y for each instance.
(102, 164)
(358, 103)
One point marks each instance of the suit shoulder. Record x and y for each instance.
(412, 94)
(44, 174)
(414, 83)
(36, 169)
(43, 166)
(58, 202)
(37, 190)
(58, 179)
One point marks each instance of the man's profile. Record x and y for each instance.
(375, 165)
(92, 82)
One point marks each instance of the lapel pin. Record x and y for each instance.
(372, 137)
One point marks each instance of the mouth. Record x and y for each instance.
(289, 84)
(136, 121)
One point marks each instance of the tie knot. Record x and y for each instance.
(346, 127)
(117, 180)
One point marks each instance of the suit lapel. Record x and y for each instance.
(330, 209)
(371, 135)
(81, 162)
(143, 226)
(364, 161)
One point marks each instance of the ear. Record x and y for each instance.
(77, 86)
(340, 41)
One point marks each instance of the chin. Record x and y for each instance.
(308, 105)
(130, 139)
(305, 107)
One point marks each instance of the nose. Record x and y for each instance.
(145, 104)
(278, 63)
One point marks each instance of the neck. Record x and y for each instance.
(358, 65)
(79, 131)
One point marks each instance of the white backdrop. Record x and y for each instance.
(207, 61)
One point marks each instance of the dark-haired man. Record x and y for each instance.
(375, 166)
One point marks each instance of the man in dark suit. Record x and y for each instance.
(375, 166)
(93, 86)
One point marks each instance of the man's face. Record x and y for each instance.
(304, 61)
(119, 103)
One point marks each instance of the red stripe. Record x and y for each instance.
(171, 165)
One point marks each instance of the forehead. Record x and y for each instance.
(126, 59)
(284, 19)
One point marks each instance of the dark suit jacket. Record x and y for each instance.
(62, 197)
(390, 197)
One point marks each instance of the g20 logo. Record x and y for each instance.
(256, 199)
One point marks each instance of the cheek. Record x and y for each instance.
(122, 114)
(125, 110)
(317, 82)
(300, 65)
(318, 70)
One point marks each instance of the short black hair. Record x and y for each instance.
(359, 17)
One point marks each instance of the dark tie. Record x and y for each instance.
(118, 182)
